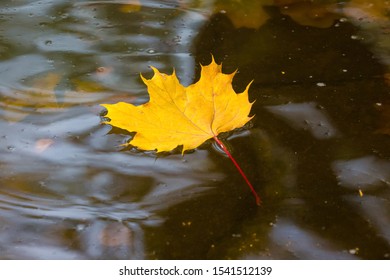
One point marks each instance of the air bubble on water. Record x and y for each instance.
(151, 51)
(11, 148)
(354, 37)
(177, 39)
(80, 227)
(321, 84)
(353, 251)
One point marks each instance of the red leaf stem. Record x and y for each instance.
(223, 147)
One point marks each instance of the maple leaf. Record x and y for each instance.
(188, 116)
(177, 115)
(309, 13)
(244, 13)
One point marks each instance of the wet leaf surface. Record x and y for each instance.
(183, 116)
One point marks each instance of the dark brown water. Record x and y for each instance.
(317, 150)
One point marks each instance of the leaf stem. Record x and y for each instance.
(223, 147)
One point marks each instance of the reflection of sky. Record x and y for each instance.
(362, 173)
(92, 189)
(376, 210)
(304, 244)
(76, 37)
(371, 175)
(63, 159)
(59, 166)
(306, 116)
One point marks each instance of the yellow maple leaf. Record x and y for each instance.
(188, 116)
(177, 115)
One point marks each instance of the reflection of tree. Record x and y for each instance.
(291, 169)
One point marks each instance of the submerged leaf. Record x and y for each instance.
(130, 6)
(176, 115)
(309, 13)
(244, 13)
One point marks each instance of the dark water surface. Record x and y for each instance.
(317, 150)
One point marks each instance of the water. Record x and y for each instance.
(317, 151)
